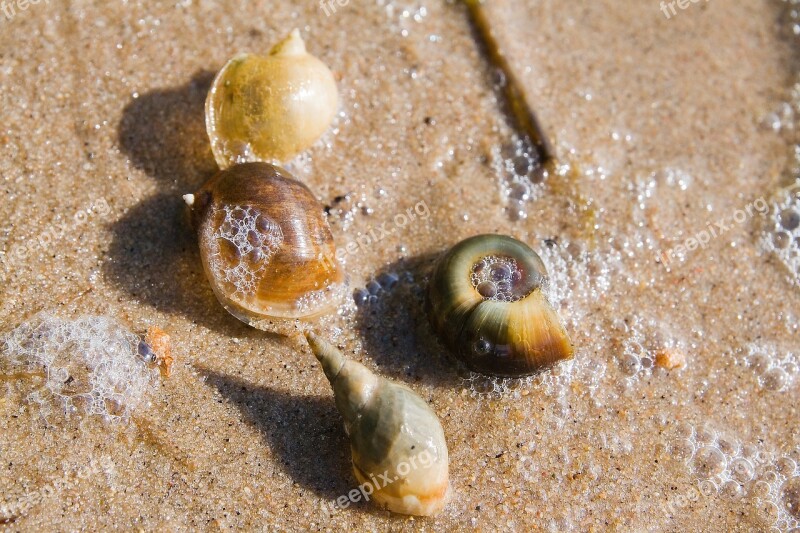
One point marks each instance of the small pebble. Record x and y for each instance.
(670, 358)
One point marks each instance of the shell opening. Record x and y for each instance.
(503, 279)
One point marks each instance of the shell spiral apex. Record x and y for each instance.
(485, 302)
(394, 436)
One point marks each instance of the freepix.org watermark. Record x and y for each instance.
(9, 512)
(374, 235)
(329, 6)
(10, 8)
(52, 233)
(713, 230)
(368, 488)
(669, 8)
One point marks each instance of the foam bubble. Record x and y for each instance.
(91, 365)
(775, 370)
(250, 239)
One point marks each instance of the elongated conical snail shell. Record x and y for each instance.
(270, 108)
(266, 246)
(486, 304)
(394, 436)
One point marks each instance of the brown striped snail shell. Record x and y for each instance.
(265, 244)
(396, 440)
(486, 304)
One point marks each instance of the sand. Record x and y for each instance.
(663, 127)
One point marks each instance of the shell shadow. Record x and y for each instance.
(393, 324)
(154, 257)
(304, 432)
(153, 254)
(164, 134)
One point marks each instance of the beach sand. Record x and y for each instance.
(663, 126)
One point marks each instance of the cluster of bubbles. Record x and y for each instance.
(644, 339)
(385, 281)
(770, 483)
(781, 237)
(775, 370)
(252, 239)
(552, 382)
(782, 234)
(522, 176)
(495, 277)
(90, 365)
(577, 278)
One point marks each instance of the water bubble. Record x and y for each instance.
(786, 466)
(374, 287)
(775, 379)
(790, 219)
(749, 451)
(759, 363)
(709, 462)
(388, 280)
(482, 347)
(768, 512)
(360, 296)
(683, 450)
(708, 488)
(781, 240)
(770, 476)
(629, 364)
(760, 489)
(501, 272)
(742, 470)
(516, 210)
(731, 490)
(727, 445)
(492, 277)
(519, 191)
(705, 435)
(539, 174)
(684, 430)
(487, 289)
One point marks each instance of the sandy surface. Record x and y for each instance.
(663, 127)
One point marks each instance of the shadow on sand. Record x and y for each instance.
(153, 253)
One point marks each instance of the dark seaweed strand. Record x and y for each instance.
(517, 105)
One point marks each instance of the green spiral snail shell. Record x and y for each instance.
(485, 302)
(396, 440)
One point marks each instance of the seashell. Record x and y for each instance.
(485, 303)
(269, 108)
(394, 436)
(265, 244)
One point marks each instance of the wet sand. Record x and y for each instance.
(659, 125)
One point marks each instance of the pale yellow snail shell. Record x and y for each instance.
(394, 435)
(270, 108)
